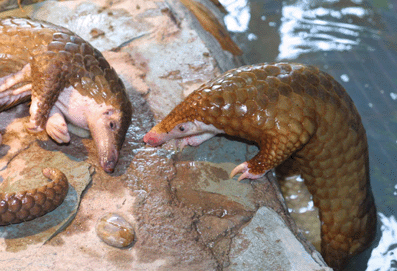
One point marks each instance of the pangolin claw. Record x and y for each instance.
(244, 169)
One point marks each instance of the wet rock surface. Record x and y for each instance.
(187, 213)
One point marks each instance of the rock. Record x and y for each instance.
(115, 231)
(266, 243)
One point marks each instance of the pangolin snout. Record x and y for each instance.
(152, 139)
(108, 162)
(109, 166)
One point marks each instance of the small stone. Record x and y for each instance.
(115, 231)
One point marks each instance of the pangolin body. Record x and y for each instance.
(66, 78)
(290, 110)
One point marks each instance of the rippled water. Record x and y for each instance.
(356, 42)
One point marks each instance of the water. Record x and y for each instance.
(355, 42)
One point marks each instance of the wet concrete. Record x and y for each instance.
(187, 213)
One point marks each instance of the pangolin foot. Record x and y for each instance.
(181, 143)
(244, 169)
(57, 129)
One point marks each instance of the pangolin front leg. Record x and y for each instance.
(50, 79)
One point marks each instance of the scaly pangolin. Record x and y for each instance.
(290, 110)
(65, 78)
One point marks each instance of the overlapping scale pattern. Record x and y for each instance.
(299, 111)
(17, 207)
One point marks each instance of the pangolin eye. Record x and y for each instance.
(181, 128)
(108, 112)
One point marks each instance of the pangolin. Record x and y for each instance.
(297, 111)
(66, 79)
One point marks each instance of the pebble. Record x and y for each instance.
(115, 231)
